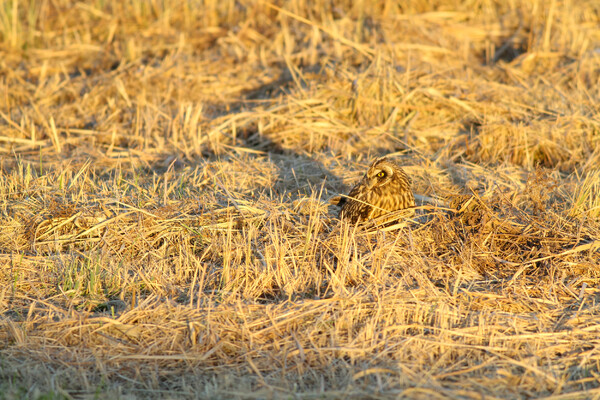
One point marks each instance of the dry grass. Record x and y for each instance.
(165, 168)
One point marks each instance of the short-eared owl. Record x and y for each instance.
(384, 188)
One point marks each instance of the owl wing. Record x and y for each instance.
(355, 206)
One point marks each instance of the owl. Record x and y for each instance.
(383, 189)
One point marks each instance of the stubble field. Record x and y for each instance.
(165, 171)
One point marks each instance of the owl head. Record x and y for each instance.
(381, 173)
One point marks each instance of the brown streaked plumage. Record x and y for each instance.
(383, 189)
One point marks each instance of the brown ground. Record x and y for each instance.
(165, 168)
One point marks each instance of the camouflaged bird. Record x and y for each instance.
(383, 189)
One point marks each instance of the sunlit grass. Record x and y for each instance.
(165, 175)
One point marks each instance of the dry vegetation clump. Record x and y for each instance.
(165, 171)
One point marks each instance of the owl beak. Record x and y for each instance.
(371, 183)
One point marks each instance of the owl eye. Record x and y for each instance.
(381, 174)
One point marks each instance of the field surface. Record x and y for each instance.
(166, 168)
